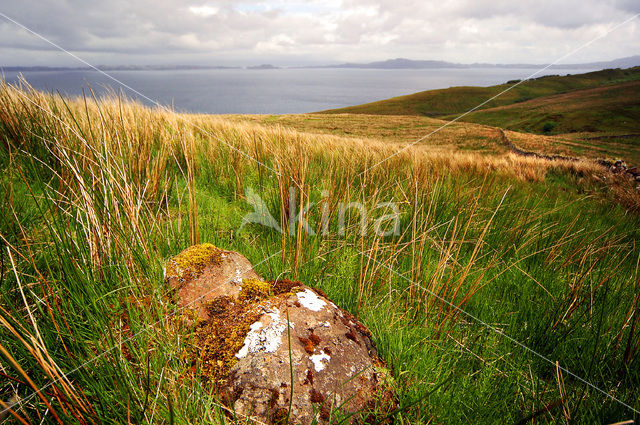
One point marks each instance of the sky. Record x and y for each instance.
(288, 33)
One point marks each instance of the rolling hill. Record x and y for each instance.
(458, 100)
(614, 108)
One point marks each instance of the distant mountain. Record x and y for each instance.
(398, 63)
(628, 62)
(263, 66)
(402, 63)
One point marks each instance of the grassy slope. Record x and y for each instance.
(608, 109)
(99, 195)
(388, 129)
(457, 100)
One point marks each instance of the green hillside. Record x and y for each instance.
(457, 100)
(614, 109)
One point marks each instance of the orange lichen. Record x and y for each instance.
(316, 397)
(309, 378)
(315, 339)
(352, 335)
(307, 344)
(310, 343)
(282, 286)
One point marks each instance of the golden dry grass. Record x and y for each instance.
(150, 138)
(127, 149)
(391, 129)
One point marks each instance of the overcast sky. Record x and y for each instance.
(285, 32)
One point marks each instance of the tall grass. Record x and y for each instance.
(100, 191)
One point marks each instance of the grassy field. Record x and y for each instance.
(506, 273)
(403, 130)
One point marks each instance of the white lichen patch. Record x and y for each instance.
(238, 278)
(319, 359)
(310, 300)
(267, 338)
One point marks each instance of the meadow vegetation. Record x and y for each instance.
(493, 248)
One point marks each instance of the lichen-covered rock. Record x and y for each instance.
(204, 272)
(281, 350)
(335, 367)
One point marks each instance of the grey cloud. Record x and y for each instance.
(458, 30)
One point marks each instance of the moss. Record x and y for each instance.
(254, 290)
(191, 261)
(284, 286)
(219, 338)
(385, 401)
(280, 416)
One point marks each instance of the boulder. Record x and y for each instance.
(204, 272)
(277, 351)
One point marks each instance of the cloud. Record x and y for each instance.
(251, 31)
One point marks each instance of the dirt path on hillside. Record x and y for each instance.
(614, 166)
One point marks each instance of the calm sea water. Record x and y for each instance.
(275, 91)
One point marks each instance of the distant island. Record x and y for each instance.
(264, 66)
(398, 63)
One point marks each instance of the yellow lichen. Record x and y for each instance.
(191, 261)
(253, 290)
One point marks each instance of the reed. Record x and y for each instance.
(100, 191)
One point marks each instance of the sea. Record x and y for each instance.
(267, 91)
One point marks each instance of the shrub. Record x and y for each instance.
(548, 127)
